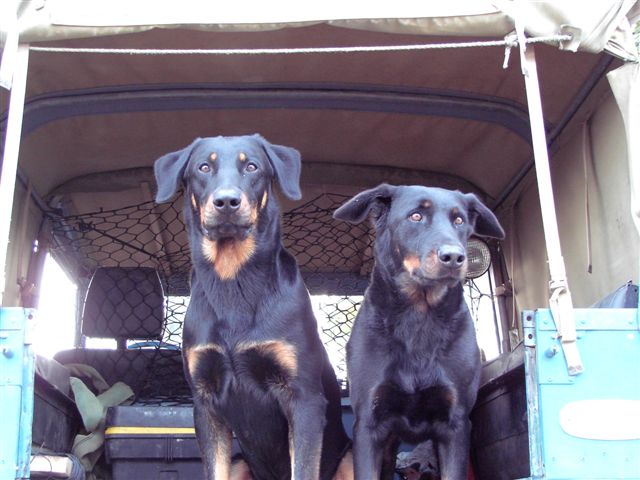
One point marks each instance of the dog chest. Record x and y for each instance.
(214, 368)
(422, 407)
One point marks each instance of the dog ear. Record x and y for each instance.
(169, 170)
(286, 165)
(486, 225)
(375, 200)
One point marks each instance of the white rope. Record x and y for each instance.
(507, 42)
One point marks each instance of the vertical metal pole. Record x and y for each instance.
(10, 158)
(560, 301)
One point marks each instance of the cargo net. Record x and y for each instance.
(335, 259)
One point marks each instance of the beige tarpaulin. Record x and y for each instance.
(600, 26)
(625, 84)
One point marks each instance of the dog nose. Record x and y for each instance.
(452, 256)
(227, 200)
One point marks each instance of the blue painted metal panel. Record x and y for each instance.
(609, 343)
(16, 392)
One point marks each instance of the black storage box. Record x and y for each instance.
(500, 434)
(153, 442)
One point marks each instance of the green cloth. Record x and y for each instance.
(88, 446)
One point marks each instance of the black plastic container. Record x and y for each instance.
(155, 442)
(500, 434)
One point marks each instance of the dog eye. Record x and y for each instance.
(251, 167)
(204, 168)
(458, 221)
(415, 217)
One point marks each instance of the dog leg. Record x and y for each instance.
(390, 451)
(306, 428)
(453, 454)
(214, 439)
(367, 453)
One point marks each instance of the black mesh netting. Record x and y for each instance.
(335, 259)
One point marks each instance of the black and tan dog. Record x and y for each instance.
(251, 350)
(412, 358)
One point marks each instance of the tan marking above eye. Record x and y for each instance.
(426, 204)
(213, 156)
(242, 157)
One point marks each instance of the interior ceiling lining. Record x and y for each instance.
(418, 143)
(507, 114)
(68, 148)
(434, 68)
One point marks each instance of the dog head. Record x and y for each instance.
(422, 232)
(227, 185)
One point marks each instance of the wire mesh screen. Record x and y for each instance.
(335, 259)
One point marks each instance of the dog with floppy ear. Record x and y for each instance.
(412, 358)
(251, 349)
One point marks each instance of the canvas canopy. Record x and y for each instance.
(94, 122)
(601, 26)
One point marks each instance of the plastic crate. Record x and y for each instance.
(152, 442)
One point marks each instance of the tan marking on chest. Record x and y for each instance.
(229, 256)
(193, 355)
(282, 352)
(423, 299)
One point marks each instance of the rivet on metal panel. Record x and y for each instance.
(552, 351)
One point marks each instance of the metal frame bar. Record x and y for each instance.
(10, 158)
